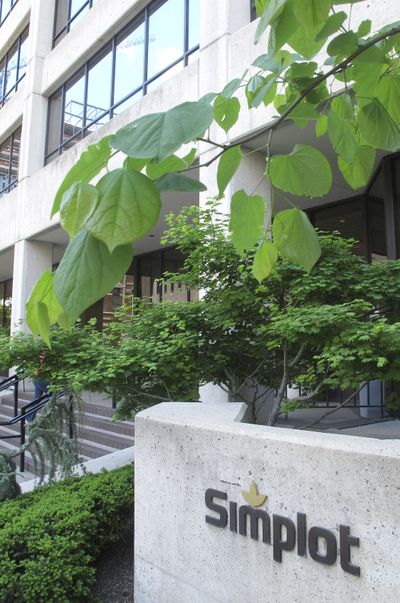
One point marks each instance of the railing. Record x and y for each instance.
(12, 382)
(21, 416)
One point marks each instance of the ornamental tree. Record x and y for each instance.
(352, 95)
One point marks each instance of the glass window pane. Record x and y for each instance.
(129, 63)
(194, 23)
(347, 218)
(15, 152)
(6, 7)
(76, 6)
(166, 39)
(99, 87)
(73, 111)
(23, 56)
(128, 103)
(165, 76)
(4, 164)
(55, 119)
(11, 68)
(61, 15)
(2, 78)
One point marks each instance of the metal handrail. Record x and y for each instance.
(31, 407)
(6, 383)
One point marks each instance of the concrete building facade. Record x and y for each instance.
(72, 71)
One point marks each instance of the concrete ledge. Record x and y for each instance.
(108, 461)
(183, 450)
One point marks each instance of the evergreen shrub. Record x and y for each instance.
(50, 537)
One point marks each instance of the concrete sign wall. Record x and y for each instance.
(231, 512)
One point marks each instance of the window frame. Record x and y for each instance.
(66, 28)
(3, 18)
(16, 134)
(142, 17)
(23, 36)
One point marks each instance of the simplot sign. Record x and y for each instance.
(281, 532)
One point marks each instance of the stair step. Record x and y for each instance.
(106, 423)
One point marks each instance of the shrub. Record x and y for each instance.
(50, 537)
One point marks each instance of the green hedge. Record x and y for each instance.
(50, 537)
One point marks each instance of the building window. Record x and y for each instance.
(161, 39)
(13, 67)
(6, 7)
(67, 14)
(253, 12)
(9, 161)
(372, 219)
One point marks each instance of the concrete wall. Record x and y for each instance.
(182, 450)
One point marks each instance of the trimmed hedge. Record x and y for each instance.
(50, 537)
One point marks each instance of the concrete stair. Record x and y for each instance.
(98, 435)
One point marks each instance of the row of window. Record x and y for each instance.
(159, 41)
(6, 7)
(13, 67)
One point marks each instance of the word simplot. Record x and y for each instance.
(284, 532)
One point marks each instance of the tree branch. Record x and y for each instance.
(275, 124)
(298, 356)
(330, 412)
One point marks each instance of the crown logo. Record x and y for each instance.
(253, 497)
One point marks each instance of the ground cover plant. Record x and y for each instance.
(352, 96)
(50, 537)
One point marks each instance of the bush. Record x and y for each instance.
(50, 537)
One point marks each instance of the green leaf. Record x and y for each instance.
(388, 92)
(208, 98)
(231, 87)
(305, 172)
(358, 172)
(377, 127)
(296, 238)
(90, 163)
(179, 183)
(364, 28)
(246, 220)
(303, 114)
(135, 164)
(267, 62)
(159, 135)
(226, 112)
(43, 322)
(342, 134)
(227, 168)
(332, 25)
(283, 27)
(321, 126)
(343, 45)
(311, 14)
(264, 260)
(129, 206)
(88, 271)
(43, 308)
(77, 205)
(173, 163)
(272, 10)
(303, 43)
(368, 68)
(266, 93)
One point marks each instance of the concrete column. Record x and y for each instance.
(35, 105)
(31, 258)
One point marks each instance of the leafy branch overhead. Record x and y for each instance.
(350, 95)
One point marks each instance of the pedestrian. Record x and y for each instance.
(39, 382)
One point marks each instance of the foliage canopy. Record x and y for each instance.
(352, 95)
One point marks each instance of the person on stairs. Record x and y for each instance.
(39, 382)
